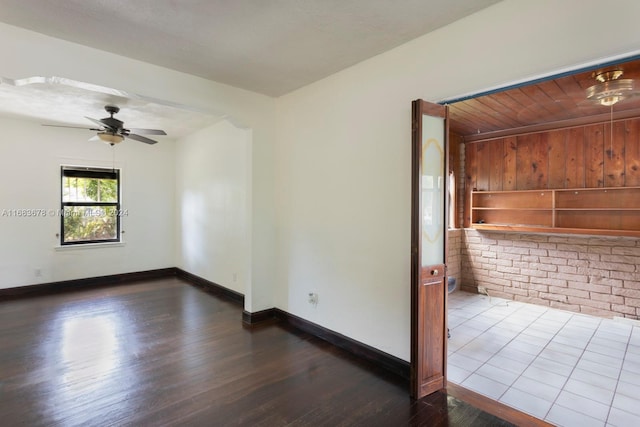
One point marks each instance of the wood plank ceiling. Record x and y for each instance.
(556, 103)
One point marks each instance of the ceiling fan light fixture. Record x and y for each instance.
(611, 89)
(110, 138)
(608, 75)
(610, 100)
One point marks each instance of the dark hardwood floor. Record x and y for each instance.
(162, 352)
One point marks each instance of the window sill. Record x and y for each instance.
(89, 246)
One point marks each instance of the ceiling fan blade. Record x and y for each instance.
(70, 127)
(94, 138)
(98, 122)
(148, 131)
(141, 138)
(112, 131)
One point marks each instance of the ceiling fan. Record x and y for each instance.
(112, 130)
(610, 88)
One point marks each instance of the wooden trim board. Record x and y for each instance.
(210, 287)
(373, 355)
(77, 284)
(259, 317)
(494, 407)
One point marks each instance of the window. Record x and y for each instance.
(90, 202)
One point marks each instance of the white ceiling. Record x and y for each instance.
(266, 46)
(59, 101)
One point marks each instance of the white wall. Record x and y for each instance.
(343, 153)
(30, 160)
(341, 163)
(213, 195)
(26, 53)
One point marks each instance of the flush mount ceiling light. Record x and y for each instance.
(611, 89)
(110, 138)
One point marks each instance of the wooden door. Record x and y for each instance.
(428, 248)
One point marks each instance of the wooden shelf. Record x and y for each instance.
(525, 209)
(598, 211)
(592, 209)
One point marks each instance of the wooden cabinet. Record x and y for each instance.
(603, 211)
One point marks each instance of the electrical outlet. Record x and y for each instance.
(313, 298)
(482, 290)
(235, 277)
(38, 272)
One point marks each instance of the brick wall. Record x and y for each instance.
(586, 274)
(454, 255)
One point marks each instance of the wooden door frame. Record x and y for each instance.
(420, 107)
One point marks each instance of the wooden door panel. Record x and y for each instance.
(428, 247)
(431, 301)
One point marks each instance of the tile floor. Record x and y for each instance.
(566, 368)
